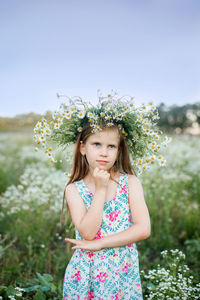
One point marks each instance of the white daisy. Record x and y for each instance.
(145, 167)
(72, 108)
(162, 162)
(38, 125)
(52, 159)
(54, 115)
(90, 115)
(108, 118)
(109, 124)
(160, 157)
(95, 117)
(81, 114)
(48, 131)
(68, 116)
(56, 126)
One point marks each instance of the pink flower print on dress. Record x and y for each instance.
(124, 189)
(113, 215)
(101, 277)
(116, 296)
(103, 257)
(117, 272)
(139, 286)
(90, 296)
(90, 254)
(77, 276)
(98, 235)
(125, 269)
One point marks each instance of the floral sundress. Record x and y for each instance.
(111, 273)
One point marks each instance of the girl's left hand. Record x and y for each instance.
(94, 245)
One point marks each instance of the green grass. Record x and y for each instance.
(32, 239)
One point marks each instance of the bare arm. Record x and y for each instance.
(88, 221)
(92, 220)
(140, 215)
(131, 235)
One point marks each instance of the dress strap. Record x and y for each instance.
(125, 184)
(82, 189)
(126, 181)
(87, 196)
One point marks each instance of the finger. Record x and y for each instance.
(67, 239)
(70, 240)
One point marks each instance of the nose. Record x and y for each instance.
(103, 151)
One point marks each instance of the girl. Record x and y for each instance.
(104, 204)
(104, 196)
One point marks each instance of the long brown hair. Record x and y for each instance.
(80, 164)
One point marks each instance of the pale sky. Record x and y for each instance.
(147, 49)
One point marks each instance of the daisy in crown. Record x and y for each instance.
(136, 122)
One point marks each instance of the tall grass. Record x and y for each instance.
(32, 238)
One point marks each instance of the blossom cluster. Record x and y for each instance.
(136, 122)
(39, 185)
(174, 282)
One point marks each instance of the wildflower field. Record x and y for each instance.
(33, 253)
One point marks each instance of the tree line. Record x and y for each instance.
(173, 119)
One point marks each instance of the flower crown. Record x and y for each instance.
(136, 123)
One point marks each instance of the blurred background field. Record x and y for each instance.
(31, 190)
(147, 49)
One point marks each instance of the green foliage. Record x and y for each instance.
(38, 288)
(32, 240)
(178, 117)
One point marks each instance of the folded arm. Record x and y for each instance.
(87, 221)
(140, 216)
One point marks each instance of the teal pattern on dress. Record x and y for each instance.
(111, 273)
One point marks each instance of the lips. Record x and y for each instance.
(102, 161)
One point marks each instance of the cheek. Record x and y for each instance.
(91, 152)
(114, 154)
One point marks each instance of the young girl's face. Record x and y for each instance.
(101, 149)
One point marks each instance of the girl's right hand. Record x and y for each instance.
(101, 178)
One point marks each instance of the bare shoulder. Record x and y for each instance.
(70, 188)
(134, 181)
(71, 193)
(138, 207)
(76, 204)
(135, 188)
(133, 177)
